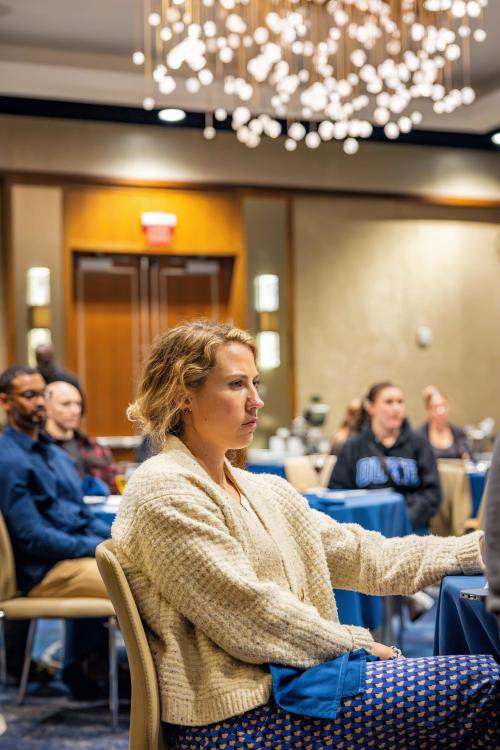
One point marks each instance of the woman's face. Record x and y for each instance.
(438, 410)
(388, 410)
(223, 413)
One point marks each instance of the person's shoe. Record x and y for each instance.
(418, 604)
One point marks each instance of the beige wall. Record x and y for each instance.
(156, 153)
(37, 235)
(368, 273)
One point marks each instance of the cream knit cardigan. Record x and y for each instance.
(220, 600)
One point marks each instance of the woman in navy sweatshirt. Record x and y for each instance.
(388, 453)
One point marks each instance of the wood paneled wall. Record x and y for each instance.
(108, 219)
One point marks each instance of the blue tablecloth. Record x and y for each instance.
(477, 481)
(381, 510)
(274, 468)
(463, 626)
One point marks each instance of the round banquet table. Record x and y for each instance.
(463, 626)
(375, 510)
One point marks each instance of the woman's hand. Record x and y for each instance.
(382, 651)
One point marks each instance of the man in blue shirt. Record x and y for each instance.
(53, 534)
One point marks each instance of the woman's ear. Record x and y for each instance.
(368, 407)
(184, 402)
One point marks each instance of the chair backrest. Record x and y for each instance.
(145, 723)
(456, 502)
(301, 473)
(8, 585)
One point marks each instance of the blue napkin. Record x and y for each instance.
(318, 691)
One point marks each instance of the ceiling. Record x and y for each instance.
(75, 51)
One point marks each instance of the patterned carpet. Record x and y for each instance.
(53, 722)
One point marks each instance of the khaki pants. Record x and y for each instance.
(67, 578)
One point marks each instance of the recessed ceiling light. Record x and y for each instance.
(496, 138)
(172, 115)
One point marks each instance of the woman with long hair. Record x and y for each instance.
(233, 574)
(446, 439)
(388, 453)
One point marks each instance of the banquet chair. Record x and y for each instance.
(145, 721)
(14, 607)
(473, 524)
(456, 503)
(300, 470)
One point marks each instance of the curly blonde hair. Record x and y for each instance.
(179, 360)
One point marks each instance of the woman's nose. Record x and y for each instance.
(255, 399)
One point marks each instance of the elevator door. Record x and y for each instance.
(122, 303)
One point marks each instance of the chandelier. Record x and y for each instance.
(312, 70)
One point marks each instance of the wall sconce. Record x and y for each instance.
(266, 302)
(266, 293)
(268, 347)
(38, 303)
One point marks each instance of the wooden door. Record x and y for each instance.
(122, 302)
(185, 289)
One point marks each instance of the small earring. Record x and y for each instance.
(185, 411)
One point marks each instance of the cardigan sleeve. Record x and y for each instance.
(182, 544)
(368, 562)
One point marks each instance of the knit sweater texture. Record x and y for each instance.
(222, 596)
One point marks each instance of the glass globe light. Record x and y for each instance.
(220, 114)
(459, 8)
(296, 131)
(167, 85)
(391, 130)
(416, 117)
(340, 130)
(206, 77)
(148, 103)
(468, 95)
(154, 19)
(312, 139)
(452, 52)
(193, 85)
(241, 115)
(138, 58)
(209, 133)
(351, 146)
(381, 115)
(365, 129)
(325, 130)
(405, 124)
(290, 144)
(253, 140)
(273, 129)
(479, 35)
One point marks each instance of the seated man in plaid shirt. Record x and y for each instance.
(64, 410)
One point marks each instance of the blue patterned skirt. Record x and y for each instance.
(425, 703)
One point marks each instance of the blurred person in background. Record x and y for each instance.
(388, 453)
(64, 411)
(45, 355)
(52, 532)
(446, 439)
(348, 427)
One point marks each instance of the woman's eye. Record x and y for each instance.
(236, 384)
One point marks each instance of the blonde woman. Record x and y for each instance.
(446, 439)
(233, 574)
